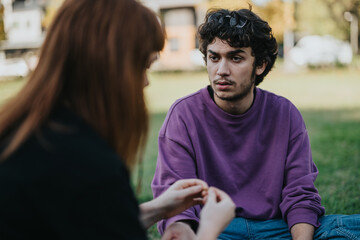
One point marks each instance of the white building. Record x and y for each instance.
(24, 36)
(181, 19)
(23, 26)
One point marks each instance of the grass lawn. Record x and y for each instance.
(329, 100)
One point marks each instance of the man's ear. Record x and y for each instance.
(260, 69)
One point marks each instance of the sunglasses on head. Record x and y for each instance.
(219, 18)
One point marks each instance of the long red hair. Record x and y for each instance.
(93, 61)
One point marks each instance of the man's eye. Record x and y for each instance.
(236, 59)
(213, 58)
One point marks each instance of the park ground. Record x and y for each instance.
(328, 99)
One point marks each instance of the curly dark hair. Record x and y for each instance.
(240, 28)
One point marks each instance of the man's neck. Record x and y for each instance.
(236, 107)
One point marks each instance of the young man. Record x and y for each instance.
(249, 142)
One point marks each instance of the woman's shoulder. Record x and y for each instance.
(66, 144)
(66, 169)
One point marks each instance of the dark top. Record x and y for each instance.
(66, 182)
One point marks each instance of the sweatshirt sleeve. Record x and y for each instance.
(175, 161)
(301, 202)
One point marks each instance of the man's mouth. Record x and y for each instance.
(223, 85)
(222, 82)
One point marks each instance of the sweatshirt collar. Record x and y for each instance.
(207, 94)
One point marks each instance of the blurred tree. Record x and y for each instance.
(229, 4)
(280, 16)
(2, 29)
(50, 12)
(272, 11)
(325, 17)
(338, 8)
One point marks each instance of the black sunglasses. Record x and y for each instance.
(233, 22)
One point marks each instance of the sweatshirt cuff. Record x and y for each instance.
(163, 224)
(302, 215)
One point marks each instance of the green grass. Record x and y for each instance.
(335, 141)
(8, 88)
(329, 100)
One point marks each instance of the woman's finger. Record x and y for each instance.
(185, 183)
(190, 191)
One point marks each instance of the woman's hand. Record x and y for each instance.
(182, 195)
(217, 213)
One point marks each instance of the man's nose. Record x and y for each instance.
(223, 68)
(146, 81)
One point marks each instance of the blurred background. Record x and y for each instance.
(314, 33)
(318, 69)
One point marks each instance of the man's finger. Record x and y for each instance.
(219, 193)
(211, 197)
(198, 200)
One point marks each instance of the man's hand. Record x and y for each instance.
(217, 213)
(178, 231)
(302, 231)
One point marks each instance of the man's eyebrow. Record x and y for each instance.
(230, 53)
(235, 52)
(212, 52)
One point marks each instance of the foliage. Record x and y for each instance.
(272, 12)
(50, 11)
(2, 29)
(306, 17)
(280, 16)
(336, 11)
(325, 17)
(229, 4)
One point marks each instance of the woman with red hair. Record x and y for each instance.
(68, 139)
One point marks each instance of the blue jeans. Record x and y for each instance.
(332, 227)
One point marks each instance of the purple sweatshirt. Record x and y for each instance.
(261, 158)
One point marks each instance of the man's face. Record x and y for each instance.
(231, 71)
(153, 57)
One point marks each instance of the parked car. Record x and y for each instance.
(321, 51)
(13, 68)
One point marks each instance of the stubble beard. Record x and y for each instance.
(245, 91)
